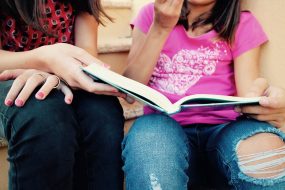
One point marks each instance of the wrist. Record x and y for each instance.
(38, 59)
(161, 31)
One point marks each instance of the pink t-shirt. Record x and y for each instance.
(199, 65)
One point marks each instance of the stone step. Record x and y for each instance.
(114, 40)
(112, 45)
(115, 36)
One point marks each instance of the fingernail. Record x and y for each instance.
(19, 103)
(40, 95)
(8, 102)
(69, 100)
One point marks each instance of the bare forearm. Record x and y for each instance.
(21, 60)
(143, 60)
(45, 57)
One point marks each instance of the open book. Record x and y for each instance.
(157, 100)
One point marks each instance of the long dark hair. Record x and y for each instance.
(224, 18)
(31, 11)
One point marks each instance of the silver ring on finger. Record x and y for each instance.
(58, 82)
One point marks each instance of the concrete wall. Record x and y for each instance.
(271, 14)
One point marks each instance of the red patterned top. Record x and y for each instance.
(59, 21)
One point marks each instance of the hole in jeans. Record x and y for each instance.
(269, 164)
(155, 185)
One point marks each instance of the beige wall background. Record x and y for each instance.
(271, 14)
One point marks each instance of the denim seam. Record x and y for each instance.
(187, 156)
(15, 164)
(4, 118)
(227, 164)
(258, 181)
(198, 137)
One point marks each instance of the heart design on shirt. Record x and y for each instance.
(184, 70)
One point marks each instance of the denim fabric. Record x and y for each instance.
(55, 146)
(158, 154)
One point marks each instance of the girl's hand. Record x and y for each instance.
(65, 61)
(167, 13)
(26, 81)
(272, 105)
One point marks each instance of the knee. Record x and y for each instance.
(262, 156)
(154, 127)
(48, 122)
(156, 135)
(157, 146)
(51, 110)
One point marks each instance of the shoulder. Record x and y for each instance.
(144, 18)
(249, 34)
(247, 17)
(248, 24)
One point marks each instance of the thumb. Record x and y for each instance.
(275, 98)
(258, 88)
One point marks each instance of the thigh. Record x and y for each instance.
(222, 147)
(155, 154)
(40, 116)
(98, 115)
(101, 125)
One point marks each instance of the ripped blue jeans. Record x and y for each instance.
(159, 154)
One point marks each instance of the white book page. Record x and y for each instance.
(138, 90)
